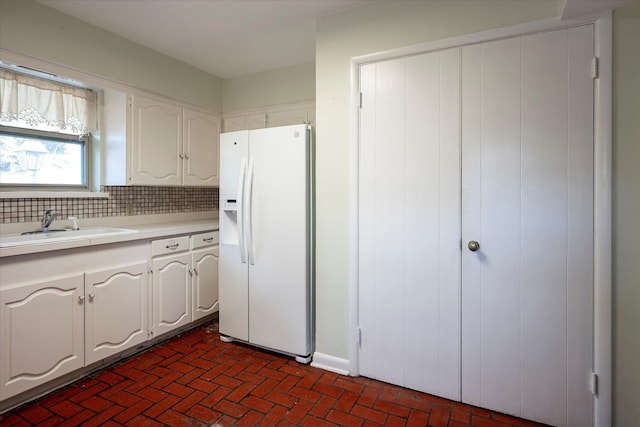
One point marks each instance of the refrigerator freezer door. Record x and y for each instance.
(233, 273)
(279, 290)
(233, 294)
(233, 147)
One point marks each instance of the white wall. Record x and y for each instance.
(286, 85)
(384, 26)
(626, 217)
(374, 28)
(31, 29)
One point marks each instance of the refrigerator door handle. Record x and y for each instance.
(240, 213)
(249, 213)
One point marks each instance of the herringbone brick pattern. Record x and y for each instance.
(197, 380)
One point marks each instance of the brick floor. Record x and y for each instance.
(197, 380)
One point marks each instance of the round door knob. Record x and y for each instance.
(473, 246)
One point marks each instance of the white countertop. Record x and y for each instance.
(144, 232)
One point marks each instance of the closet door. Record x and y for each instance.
(490, 144)
(527, 199)
(409, 216)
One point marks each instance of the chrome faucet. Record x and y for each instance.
(47, 219)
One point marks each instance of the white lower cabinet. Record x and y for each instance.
(53, 327)
(42, 332)
(185, 280)
(115, 310)
(171, 292)
(64, 310)
(204, 278)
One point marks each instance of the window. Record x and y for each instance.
(42, 158)
(45, 131)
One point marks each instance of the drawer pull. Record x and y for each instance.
(208, 239)
(174, 246)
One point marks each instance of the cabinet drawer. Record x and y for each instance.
(170, 245)
(204, 239)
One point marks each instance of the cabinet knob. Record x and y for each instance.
(473, 246)
(92, 296)
(81, 299)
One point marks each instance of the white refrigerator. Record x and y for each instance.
(266, 239)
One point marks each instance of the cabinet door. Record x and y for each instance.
(116, 310)
(201, 141)
(156, 142)
(233, 124)
(255, 121)
(42, 333)
(205, 281)
(171, 292)
(286, 118)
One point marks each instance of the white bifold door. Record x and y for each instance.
(476, 224)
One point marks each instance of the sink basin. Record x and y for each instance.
(41, 232)
(39, 238)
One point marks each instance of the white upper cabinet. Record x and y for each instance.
(255, 121)
(201, 142)
(156, 142)
(288, 117)
(167, 144)
(283, 115)
(245, 122)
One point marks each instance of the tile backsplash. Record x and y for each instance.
(122, 201)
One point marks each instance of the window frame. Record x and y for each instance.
(86, 164)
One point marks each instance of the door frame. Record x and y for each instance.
(602, 311)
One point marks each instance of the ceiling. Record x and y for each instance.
(231, 38)
(226, 38)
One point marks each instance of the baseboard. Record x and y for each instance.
(330, 363)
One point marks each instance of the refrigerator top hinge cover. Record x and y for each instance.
(593, 383)
(595, 65)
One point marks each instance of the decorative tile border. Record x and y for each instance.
(122, 201)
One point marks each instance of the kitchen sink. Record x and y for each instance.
(60, 235)
(42, 232)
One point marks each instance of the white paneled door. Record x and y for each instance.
(476, 224)
(410, 222)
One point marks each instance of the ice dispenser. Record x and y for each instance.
(229, 219)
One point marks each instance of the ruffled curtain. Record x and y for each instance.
(35, 103)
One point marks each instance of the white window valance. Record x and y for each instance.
(35, 103)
